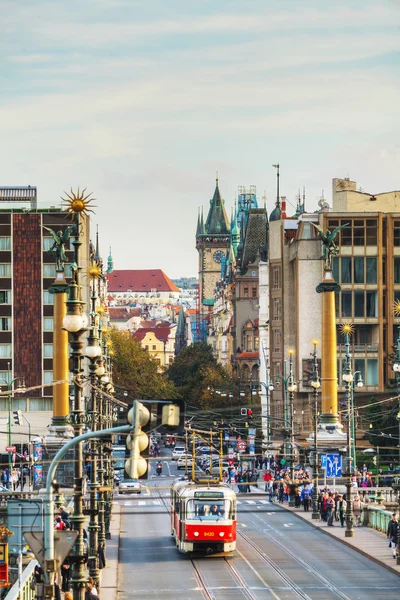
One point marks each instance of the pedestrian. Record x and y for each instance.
(89, 595)
(330, 509)
(393, 534)
(94, 589)
(357, 509)
(267, 480)
(14, 479)
(342, 505)
(65, 575)
(305, 499)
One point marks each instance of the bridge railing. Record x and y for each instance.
(25, 591)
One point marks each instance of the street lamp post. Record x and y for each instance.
(359, 384)
(316, 384)
(290, 387)
(348, 377)
(20, 389)
(75, 322)
(396, 369)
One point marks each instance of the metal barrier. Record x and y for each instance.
(377, 518)
(378, 494)
(25, 592)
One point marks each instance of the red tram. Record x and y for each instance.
(203, 518)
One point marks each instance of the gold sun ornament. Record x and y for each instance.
(94, 271)
(347, 328)
(105, 330)
(291, 351)
(396, 308)
(78, 203)
(101, 310)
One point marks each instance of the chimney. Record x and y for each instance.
(283, 207)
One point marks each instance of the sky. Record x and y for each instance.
(143, 101)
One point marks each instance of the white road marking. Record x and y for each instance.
(264, 502)
(141, 502)
(250, 501)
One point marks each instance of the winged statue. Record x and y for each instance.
(328, 244)
(58, 248)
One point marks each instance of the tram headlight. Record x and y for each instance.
(196, 534)
(221, 534)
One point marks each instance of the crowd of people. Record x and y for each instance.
(15, 479)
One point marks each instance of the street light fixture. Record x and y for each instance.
(315, 384)
(348, 377)
(20, 389)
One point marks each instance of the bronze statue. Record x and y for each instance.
(328, 244)
(58, 248)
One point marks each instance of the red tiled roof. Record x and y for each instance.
(161, 333)
(140, 281)
(248, 355)
(123, 313)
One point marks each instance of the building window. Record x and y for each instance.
(346, 304)
(154, 347)
(5, 323)
(245, 292)
(368, 369)
(47, 243)
(48, 324)
(248, 342)
(5, 270)
(277, 340)
(47, 377)
(48, 350)
(256, 342)
(146, 346)
(254, 292)
(276, 309)
(396, 233)
(397, 270)
(5, 243)
(276, 278)
(5, 296)
(346, 270)
(5, 351)
(5, 376)
(49, 270)
(358, 275)
(371, 271)
(48, 298)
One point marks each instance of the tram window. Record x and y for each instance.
(197, 509)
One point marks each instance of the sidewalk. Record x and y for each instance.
(367, 541)
(109, 575)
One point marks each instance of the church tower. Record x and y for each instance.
(212, 243)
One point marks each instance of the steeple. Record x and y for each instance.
(217, 221)
(110, 263)
(235, 234)
(180, 336)
(97, 250)
(198, 229)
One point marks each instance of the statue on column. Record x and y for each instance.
(58, 248)
(329, 248)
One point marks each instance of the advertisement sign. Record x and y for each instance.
(37, 476)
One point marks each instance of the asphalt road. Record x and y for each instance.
(278, 556)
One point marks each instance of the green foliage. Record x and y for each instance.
(196, 375)
(134, 369)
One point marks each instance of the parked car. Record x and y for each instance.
(178, 451)
(130, 486)
(183, 461)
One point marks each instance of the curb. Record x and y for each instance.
(343, 541)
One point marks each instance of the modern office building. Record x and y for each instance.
(27, 271)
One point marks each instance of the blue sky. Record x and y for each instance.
(143, 101)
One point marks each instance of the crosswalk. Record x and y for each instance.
(159, 502)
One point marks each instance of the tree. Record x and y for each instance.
(134, 369)
(196, 375)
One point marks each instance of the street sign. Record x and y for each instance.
(63, 542)
(323, 460)
(11, 449)
(241, 445)
(333, 465)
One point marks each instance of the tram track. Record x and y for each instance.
(304, 564)
(210, 593)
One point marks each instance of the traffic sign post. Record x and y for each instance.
(333, 465)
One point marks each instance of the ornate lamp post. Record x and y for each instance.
(359, 384)
(290, 387)
(75, 322)
(396, 369)
(347, 330)
(316, 384)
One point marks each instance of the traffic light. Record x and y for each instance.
(250, 413)
(137, 441)
(374, 460)
(17, 417)
(243, 412)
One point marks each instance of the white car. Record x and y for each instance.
(183, 461)
(130, 486)
(178, 451)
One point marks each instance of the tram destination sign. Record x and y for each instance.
(209, 494)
